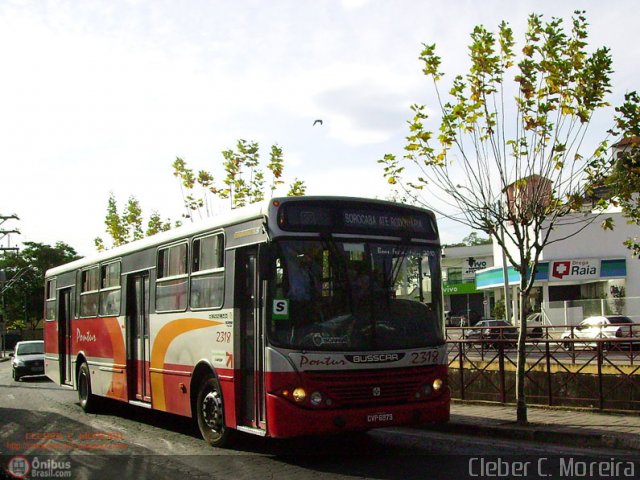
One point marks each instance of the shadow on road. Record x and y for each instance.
(32, 382)
(92, 453)
(99, 454)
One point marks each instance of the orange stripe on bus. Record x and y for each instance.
(119, 356)
(165, 336)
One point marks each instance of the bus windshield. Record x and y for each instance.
(355, 296)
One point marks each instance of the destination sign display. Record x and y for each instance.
(385, 220)
(357, 218)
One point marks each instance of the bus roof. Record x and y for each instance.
(225, 219)
(250, 212)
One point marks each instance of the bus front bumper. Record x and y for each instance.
(288, 420)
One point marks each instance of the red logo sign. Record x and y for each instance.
(560, 269)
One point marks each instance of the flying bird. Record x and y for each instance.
(317, 121)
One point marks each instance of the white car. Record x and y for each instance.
(601, 327)
(28, 359)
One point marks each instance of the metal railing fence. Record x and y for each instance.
(561, 369)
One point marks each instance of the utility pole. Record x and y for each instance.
(505, 273)
(3, 277)
(4, 233)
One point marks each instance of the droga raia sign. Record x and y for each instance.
(580, 269)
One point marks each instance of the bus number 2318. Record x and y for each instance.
(223, 337)
(427, 356)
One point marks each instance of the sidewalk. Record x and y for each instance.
(584, 428)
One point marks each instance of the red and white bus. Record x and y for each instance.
(300, 316)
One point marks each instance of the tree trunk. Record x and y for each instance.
(521, 402)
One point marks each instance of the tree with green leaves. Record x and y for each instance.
(508, 157)
(23, 289)
(244, 182)
(126, 226)
(472, 240)
(622, 181)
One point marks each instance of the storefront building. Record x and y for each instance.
(459, 267)
(590, 272)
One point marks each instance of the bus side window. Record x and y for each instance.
(207, 272)
(110, 289)
(50, 300)
(171, 285)
(89, 292)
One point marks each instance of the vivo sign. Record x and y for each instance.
(585, 269)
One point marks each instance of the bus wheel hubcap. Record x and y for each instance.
(212, 411)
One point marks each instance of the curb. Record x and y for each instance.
(538, 433)
(4, 359)
(555, 408)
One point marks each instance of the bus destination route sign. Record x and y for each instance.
(385, 221)
(357, 219)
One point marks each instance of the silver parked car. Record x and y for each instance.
(603, 328)
(28, 359)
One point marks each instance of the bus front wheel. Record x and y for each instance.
(210, 413)
(88, 400)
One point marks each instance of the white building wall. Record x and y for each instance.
(591, 242)
(595, 242)
(457, 256)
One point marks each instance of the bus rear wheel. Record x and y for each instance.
(88, 401)
(210, 413)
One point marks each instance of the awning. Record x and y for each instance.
(563, 270)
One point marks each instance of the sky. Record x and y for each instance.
(102, 96)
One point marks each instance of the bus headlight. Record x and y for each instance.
(437, 385)
(315, 399)
(299, 395)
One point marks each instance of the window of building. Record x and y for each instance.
(207, 272)
(110, 289)
(50, 303)
(171, 284)
(89, 293)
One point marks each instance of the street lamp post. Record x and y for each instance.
(505, 277)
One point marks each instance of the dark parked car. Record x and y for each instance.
(495, 331)
(28, 359)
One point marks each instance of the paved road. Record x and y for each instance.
(41, 420)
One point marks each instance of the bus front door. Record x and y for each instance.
(138, 345)
(247, 299)
(65, 336)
